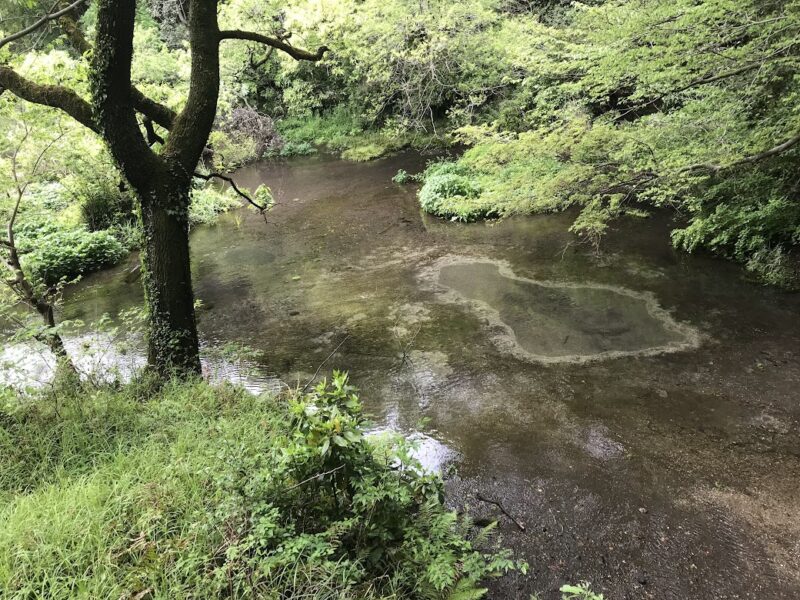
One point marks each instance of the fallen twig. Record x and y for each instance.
(319, 368)
(313, 477)
(520, 525)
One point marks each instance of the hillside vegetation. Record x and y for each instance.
(611, 107)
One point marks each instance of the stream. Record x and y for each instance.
(636, 410)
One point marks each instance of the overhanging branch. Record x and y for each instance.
(747, 160)
(296, 53)
(782, 54)
(55, 96)
(239, 192)
(40, 23)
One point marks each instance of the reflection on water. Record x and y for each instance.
(104, 358)
(100, 357)
(433, 455)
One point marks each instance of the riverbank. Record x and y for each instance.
(197, 490)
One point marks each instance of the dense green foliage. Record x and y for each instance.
(77, 214)
(451, 191)
(196, 491)
(64, 255)
(609, 107)
(647, 103)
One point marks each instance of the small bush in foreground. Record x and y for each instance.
(208, 492)
(579, 592)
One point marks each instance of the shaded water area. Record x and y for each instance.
(638, 411)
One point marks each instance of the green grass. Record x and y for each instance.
(197, 491)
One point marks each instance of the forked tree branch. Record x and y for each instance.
(152, 110)
(190, 131)
(110, 79)
(40, 23)
(239, 192)
(278, 44)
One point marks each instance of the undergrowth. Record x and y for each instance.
(346, 133)
(199, 491)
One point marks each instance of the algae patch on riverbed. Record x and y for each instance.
(551, 322)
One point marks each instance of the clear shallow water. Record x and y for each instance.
(566, 322)
(666, 470)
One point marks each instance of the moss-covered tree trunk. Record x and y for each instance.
(172, 341)
(162, 180)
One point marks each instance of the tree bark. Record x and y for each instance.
(162, 181)
(173, 347)
(162, 185)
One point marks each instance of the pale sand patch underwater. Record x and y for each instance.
(558, 322)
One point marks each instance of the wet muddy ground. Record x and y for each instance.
(658, 455)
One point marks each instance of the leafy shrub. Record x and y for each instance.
(365, 152)
(129, 235)
(748, 218)
(196, 491)
(63, 255)
(579, 592)
(230, 151)
(776, 267)
(345, 132)
(49, 195)
(450, 192)
(332, 500)
(332, 129)
(292, 148)
(103, 205)
(208, 203)
(402, 177)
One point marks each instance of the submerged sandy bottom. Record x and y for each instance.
(549, 321)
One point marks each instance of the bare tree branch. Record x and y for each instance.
(152, 136)
(278, 44)
(41, 22)
(234, 187)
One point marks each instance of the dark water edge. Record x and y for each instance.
(654, 474)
